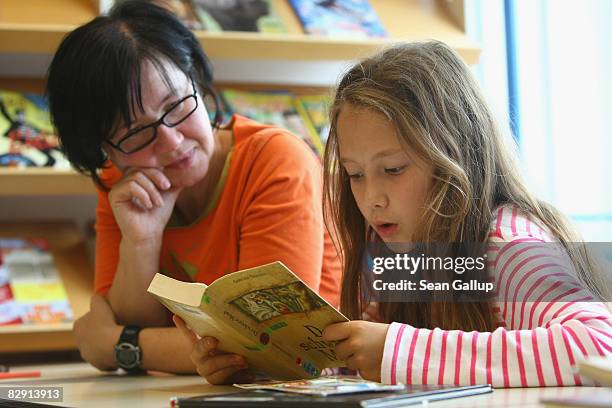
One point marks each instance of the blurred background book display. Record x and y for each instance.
(27, 137)
(238, 15)
(275, 108)
(31, 290)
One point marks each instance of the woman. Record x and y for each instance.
(176, 194)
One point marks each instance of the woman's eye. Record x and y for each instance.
(355, 176)
(395, 170)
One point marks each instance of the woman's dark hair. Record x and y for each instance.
(94, 78)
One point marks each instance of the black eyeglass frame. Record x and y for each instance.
(156, 124)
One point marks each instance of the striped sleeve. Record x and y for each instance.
(550, 323)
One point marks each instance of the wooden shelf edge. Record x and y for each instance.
(42, 181)
(30, 38)
(56, 339)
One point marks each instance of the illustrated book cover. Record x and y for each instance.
(267, 314)
(339, 18)
(27, 137)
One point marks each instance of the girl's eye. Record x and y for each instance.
(395, 170)
(355, 176)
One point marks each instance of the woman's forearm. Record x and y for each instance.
(128, 296)
(165, 349)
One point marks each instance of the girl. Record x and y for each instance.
(414, 156)
(176, 195)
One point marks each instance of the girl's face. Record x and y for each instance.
(389, 185)
(182, 152)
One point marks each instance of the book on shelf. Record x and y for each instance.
(31, 289)
(267, 314)
(27, 137)
(275, 108)
(339, 18)
(239, 15)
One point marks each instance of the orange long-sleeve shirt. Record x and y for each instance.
(268, 208)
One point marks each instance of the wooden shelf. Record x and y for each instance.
(75, 268)
(37, 26)
(42, 181)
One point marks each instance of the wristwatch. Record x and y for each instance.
(127, 352)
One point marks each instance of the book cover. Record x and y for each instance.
(339, 18)
(274, 108)
(239, 15)
(323, 386)
(27, 137)
(266, 314)
(31, 289)
(317, 110)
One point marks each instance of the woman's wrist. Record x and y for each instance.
(141, 246)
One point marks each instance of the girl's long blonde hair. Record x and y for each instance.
(428, 93)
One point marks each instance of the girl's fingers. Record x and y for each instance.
(224, 376)
(343, 350)
(242, 377)
(211, 365)
(337, 331)
(202, 349)
(180, 324)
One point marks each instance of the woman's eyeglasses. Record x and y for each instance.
(140, 138)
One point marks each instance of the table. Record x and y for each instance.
(83, 386)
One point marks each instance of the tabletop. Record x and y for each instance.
(83, 385)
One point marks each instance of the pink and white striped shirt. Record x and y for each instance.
(538, 342)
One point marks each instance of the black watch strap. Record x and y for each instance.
(129, 334)
(128, 354)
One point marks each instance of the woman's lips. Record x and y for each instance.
(386, 230)
(183, 162)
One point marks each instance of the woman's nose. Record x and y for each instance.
(168, 138)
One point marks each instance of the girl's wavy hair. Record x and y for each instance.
(429, 95)
(94, 77)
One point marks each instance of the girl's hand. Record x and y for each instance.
(142, 202)
(216, 366)
(361, 345)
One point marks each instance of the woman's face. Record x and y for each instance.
(182, 152)
(390, 187)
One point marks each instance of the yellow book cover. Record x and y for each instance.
(266, 314)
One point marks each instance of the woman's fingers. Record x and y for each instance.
(143, 187)
(144, 181)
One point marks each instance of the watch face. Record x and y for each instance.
(127, 355)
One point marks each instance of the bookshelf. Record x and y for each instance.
(37, 26)
(72, 262)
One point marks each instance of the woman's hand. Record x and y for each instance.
(216, 366)
(142, 202)
(96, 334)
(361, 345)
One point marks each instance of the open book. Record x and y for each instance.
(267, 314)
